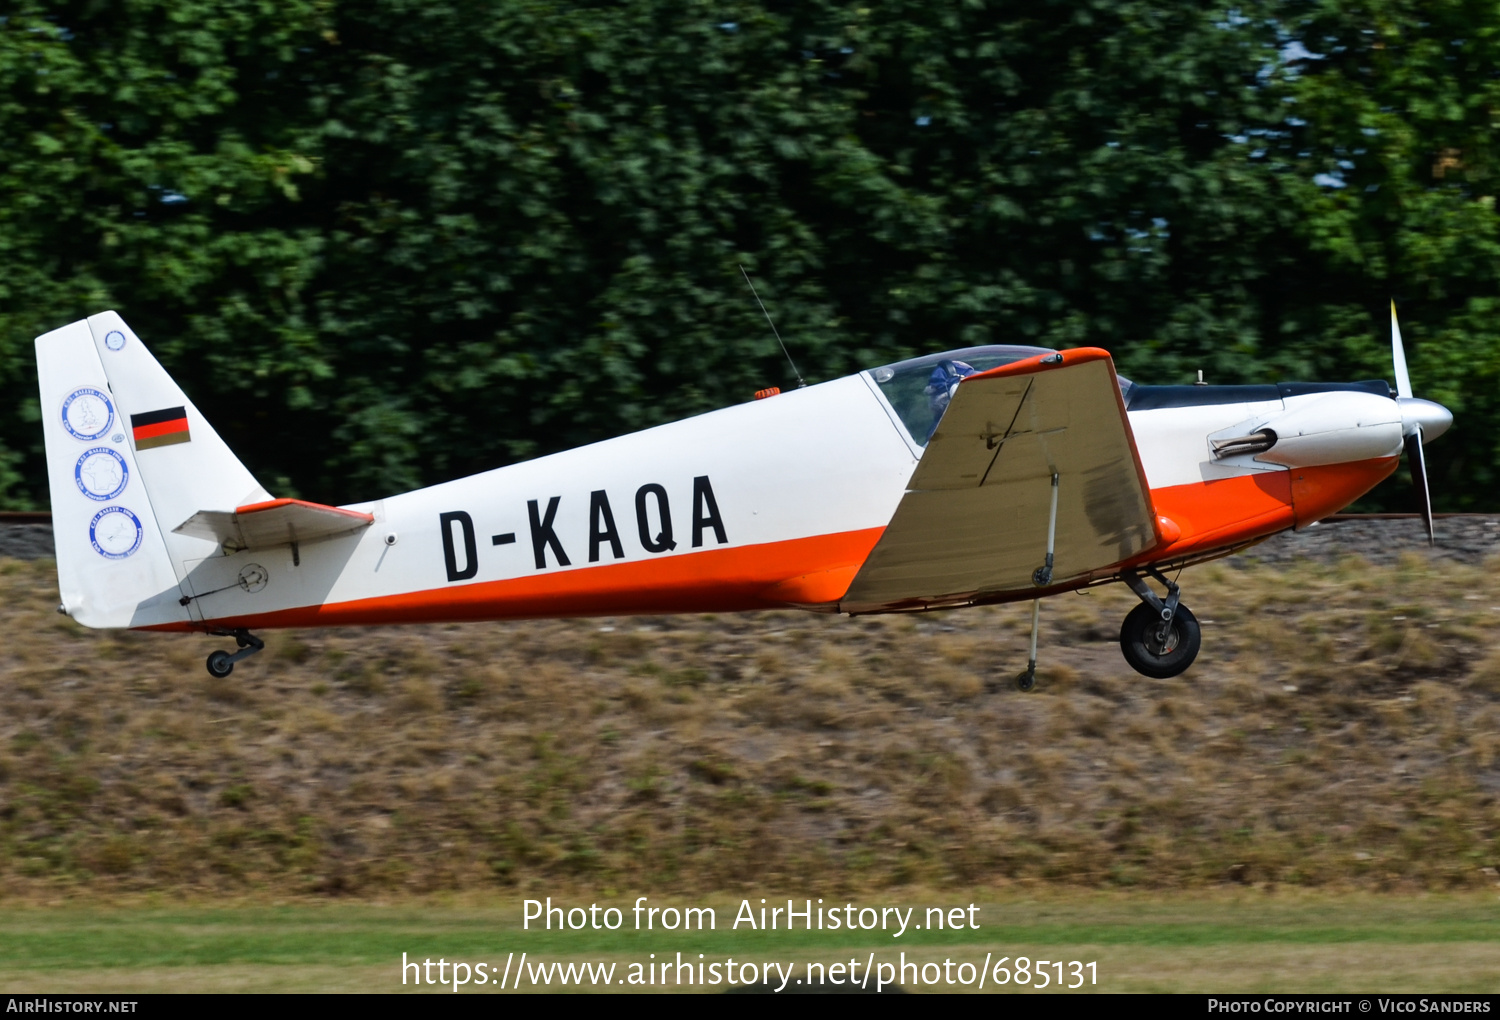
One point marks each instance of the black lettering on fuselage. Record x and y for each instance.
(599, 513)
(542, 534)
(705, 512)
(663, 540)
(653, 525)
(450, 551)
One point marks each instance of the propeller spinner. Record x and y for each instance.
(1422, 421)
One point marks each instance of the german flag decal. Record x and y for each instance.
(160, 428)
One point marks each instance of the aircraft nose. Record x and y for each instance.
(1432, 417)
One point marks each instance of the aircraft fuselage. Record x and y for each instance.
(767, 504)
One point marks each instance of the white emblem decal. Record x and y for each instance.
(101, 474)
(115, 533)
(87, 414)
(114, 340)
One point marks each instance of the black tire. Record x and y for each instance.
(219, 664)
(1138, 642)
(1026, 681)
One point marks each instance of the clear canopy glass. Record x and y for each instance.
(918, 388)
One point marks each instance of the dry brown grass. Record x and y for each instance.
(1341, 728)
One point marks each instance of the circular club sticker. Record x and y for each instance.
(115, 532)
(101, 474)
(114, 340)
(87, 414)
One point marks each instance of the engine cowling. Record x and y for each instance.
(1334, 428)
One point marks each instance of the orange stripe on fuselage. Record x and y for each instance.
(1320, 491)
(1229, 511)
(711, 581)
(1211, 515)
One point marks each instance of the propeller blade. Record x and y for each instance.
(1398, 355)
(1417, 462)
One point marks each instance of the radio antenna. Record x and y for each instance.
(800, 382)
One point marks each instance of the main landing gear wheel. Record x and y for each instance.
(1153, 653)
(221, 664)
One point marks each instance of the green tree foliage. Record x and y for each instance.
(388, 243)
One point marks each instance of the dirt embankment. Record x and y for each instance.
(1342, 727)
(1380, 540)
(25, 541)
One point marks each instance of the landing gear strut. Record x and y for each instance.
(1160, 637)
(221, 664)
(1026, 682)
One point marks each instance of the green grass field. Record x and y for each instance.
(1247, 941)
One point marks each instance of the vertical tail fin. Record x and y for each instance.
(128, 459)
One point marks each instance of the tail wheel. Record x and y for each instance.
(1142, 644)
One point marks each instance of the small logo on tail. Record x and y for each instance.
(115, 533)
(101, 474)
(87, 414)
(160, 428)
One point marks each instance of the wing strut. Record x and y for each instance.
(1041, 577)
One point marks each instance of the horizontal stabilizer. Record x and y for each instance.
(273, 523)
(974, 522)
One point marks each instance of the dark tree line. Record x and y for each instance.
(387, 243)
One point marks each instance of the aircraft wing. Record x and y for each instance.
(275, 522)
(974, 518)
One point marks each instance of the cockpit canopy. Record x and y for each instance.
(905, 383)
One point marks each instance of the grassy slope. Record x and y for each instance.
(1341, 729)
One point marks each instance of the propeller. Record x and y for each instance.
(1422, 421)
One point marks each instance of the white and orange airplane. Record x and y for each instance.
(984, 475)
